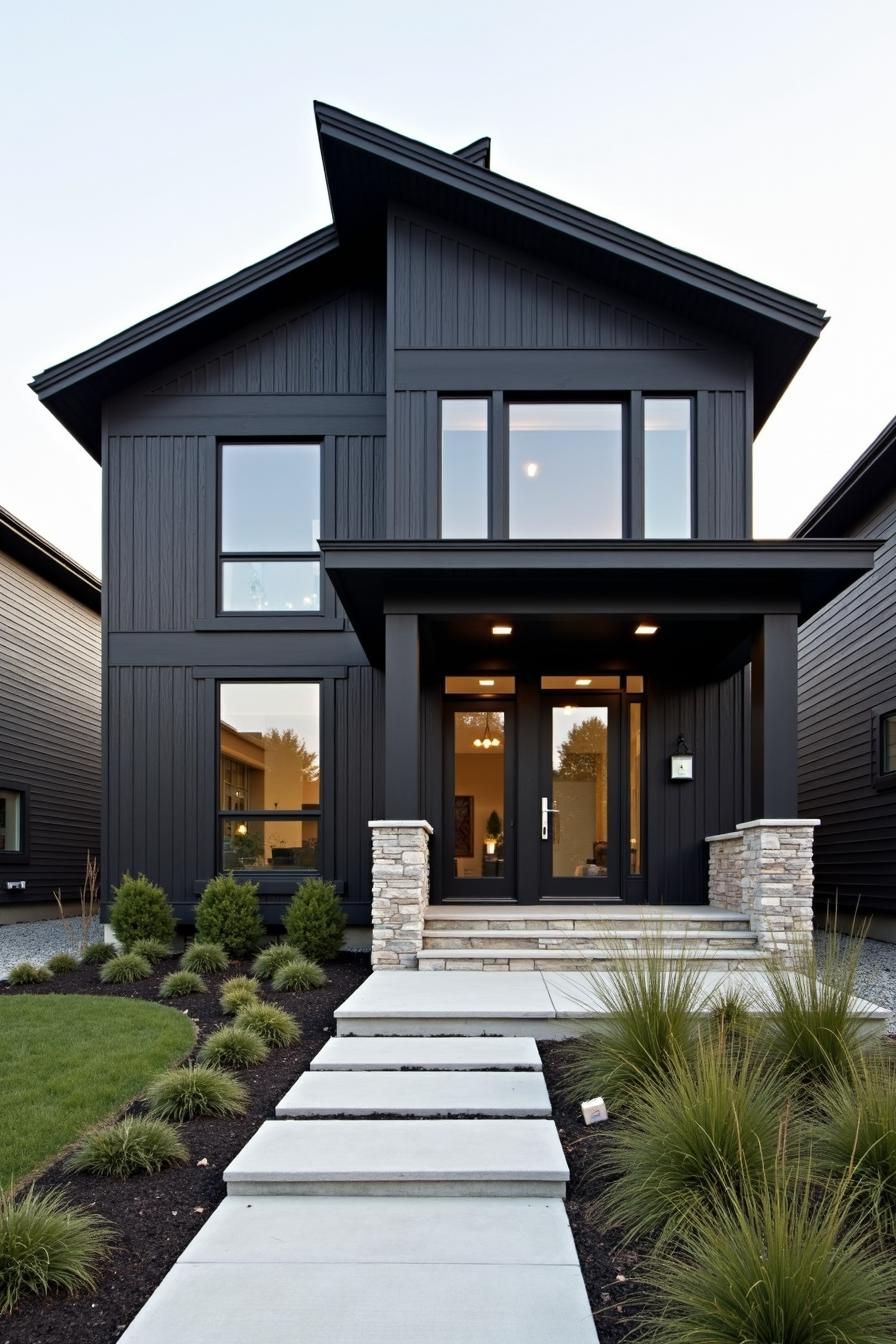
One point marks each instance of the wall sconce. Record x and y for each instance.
(681, 762)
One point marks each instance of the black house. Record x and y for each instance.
(50, 683)
(847, 700)
(443, 514)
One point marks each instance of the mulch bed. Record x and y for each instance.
(610, 1270)
(156, 1216)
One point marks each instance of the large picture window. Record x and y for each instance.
(565, 463)
(269, 527)
(269, 772)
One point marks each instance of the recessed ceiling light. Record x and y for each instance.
(583, 681)
(531, 470)
(486, 681)
(502, 629)
(646, 629)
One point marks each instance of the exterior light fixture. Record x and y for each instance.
(502, 629)
(681, 762)
(531, 470)
(242, 829)
(486, 681)
(583, 681)
(645, 628)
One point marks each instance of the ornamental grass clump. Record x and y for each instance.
(125, 969)
(233, 1047)
(271, 958)
(153, 949)
(857, 1133)
(136, 1144)
(194, 1090)
(47, 1244)
(95, 954)
(26, 973)
(779, 1264)
(228, 913)
(141, 910)
(238, 992)
(271, 1024)
(178, 984)
(300, 974)
(702, 1131)
(204, 958)
(315, 921)
(61, 963)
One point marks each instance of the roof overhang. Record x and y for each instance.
(42, 557)
(869, 479)
(706, 581)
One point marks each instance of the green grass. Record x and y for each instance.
(71, 1060)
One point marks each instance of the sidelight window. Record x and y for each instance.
(667, 467)
(464, 470)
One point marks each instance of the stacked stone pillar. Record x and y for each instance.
(400, 892)
(764, 869)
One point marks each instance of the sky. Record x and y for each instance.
(148, 150)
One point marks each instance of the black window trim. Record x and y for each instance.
(23, 854)
(880, 778)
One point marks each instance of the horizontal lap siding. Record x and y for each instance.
(49, 729)
(847, 670)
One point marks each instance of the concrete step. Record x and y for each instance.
(416, 1094)
(658, 919)
(406, 1157)
(430, 1053)
(576, 959)
(435, 936)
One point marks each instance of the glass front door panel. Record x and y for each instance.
(580, 832)
(479, 809)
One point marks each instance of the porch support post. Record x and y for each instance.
(774, 717)
(401, 754)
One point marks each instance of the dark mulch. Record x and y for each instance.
(154, 1217)
(609, 1269)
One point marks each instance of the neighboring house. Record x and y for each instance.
(444, 514)
(50, 679)
(847, 700)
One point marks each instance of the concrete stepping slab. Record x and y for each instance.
(407, 1157)
(379, 1304)
(364, 1229)
(416, 1094)
(433, 1052)
(442, 1003)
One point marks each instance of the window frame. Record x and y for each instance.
(880, 778)
(23, 854)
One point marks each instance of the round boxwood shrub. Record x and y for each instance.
(26, 973)
(180, 983)
(193, 1090)
(140, 910)
(315, 921)
(299, 974)
(125, 969)
(228, 913)
(153, 949)
(271, 1024)
(204, 958)
(233, 1048)
(137, 1143)
(46, 1243)
(95, 954)
(61, 962)
(271, 959)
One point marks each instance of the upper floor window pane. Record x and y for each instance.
(565, 470)
(464, 467)
(667, 467)
(270, 497)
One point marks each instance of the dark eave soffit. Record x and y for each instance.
(42, 557)
(871, 478)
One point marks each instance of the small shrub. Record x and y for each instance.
(270, 959)
(47, 1244)
(204, 958)
(180, 983)
(61, 963)
(858, 1134)
(141, 910)
(153, 949)
(26, 973)
(236, 982)
(137, 1143)
(315, 921)
(299, 974)
(237, 992)
(228, 913)
(125, 969)
(233, 1048)
(271, 1024)
(95, 954)
(194, 1090)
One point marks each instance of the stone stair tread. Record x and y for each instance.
(416, 1094)
(431, 1053)
(577, 954)
(565, 935)
(638, 914)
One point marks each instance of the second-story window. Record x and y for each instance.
(667, 467)
(565, 468)
(464, 470)
(269, 527)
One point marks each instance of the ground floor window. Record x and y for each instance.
(11, 815)
(269, 775)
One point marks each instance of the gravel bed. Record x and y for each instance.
(40, 939)
(876, 978)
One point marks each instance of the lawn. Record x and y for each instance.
(67, 1061)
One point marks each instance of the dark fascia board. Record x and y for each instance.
(72, 389)
(870, 478)
(479, 153)
(42, 557)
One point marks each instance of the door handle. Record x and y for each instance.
(545, 813)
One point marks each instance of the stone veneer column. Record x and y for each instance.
(400, 892)
(778, 883)
(726, 870)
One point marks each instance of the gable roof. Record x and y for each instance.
(871, 477)
(366, 167)
(42, 557)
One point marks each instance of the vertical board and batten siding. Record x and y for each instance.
(847, 671)
(49, 729)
